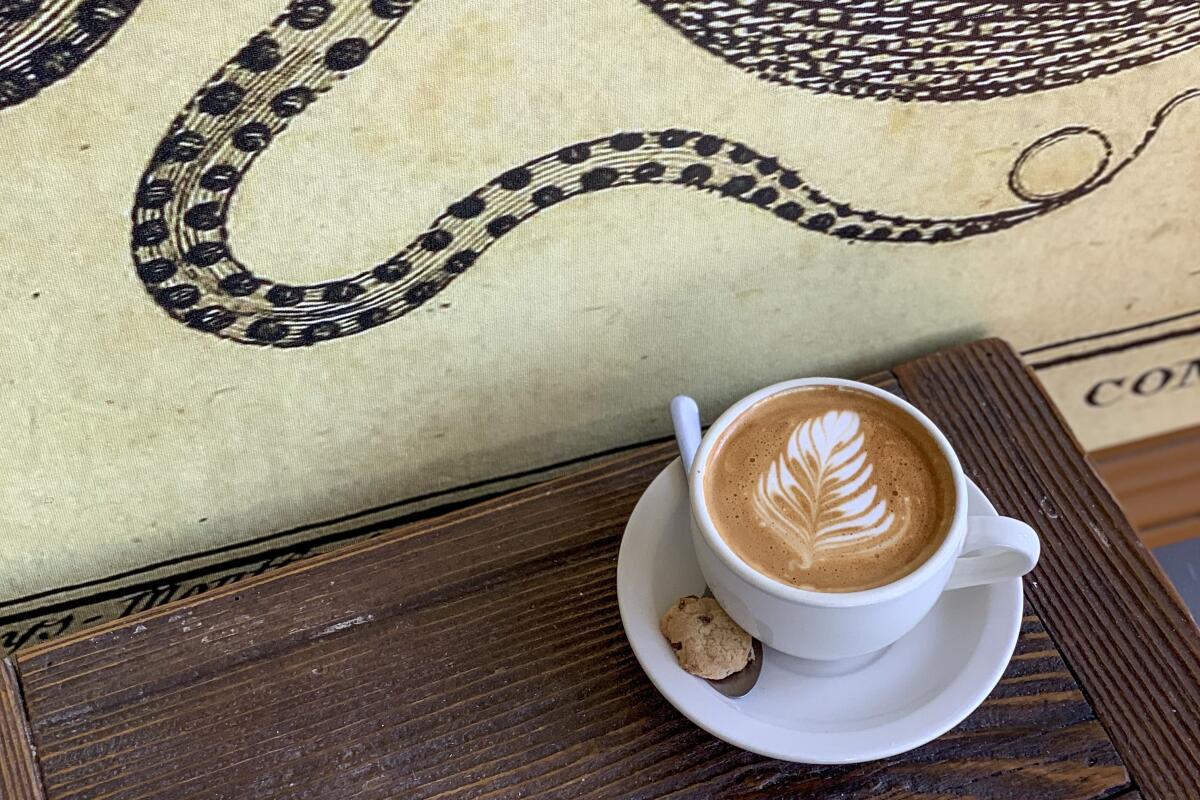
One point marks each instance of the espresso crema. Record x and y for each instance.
(830, 489)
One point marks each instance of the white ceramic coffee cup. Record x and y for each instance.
(828, 626)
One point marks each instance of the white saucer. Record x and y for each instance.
(921, 687)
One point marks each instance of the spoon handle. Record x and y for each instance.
(685, 416)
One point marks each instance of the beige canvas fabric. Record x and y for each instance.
(140, 447)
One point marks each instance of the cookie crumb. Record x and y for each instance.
(706, 641)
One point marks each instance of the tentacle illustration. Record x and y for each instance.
(181, 244)
(944, 51)
(44, 41)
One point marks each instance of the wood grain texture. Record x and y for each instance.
(1123, 629)
(19, 778)
(1179, 530)
(1157, 483)
(481, 655)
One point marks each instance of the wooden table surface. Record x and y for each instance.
(480, 654)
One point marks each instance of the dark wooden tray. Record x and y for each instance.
(480, 654)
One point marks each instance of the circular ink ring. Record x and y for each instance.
(1018, 187)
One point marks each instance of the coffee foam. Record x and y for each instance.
(830, 489)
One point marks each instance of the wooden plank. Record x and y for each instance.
(884, 380)
(539, 696)
(478, 654)
(1146, 462)
(1179, 530)
(1155, 480)
(1120, 624)
(19, 778)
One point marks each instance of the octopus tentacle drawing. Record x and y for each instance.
(181, 245)
(44, 41)
(935, 50)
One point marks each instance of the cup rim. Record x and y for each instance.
(946, 551)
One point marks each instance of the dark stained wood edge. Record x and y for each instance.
(19, 775)
(1124, 630)
(884, 380)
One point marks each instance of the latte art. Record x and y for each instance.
(829, 488)
(818, 495)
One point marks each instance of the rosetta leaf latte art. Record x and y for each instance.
(818, 496)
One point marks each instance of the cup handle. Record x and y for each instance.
(996, 549)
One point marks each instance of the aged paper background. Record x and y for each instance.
(130, 439)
